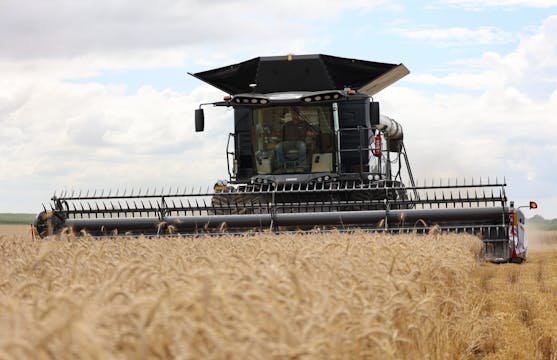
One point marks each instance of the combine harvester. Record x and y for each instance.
(310, 150)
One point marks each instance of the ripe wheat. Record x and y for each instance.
(266, 296)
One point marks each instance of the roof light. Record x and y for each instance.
(238, 100)
(308, 99)
(533, 205)
(245, 101)
(263, 101)
(327, 97)
(227, 97)
(336, 96)
(254, 101)
(351, 92)
(317, 98)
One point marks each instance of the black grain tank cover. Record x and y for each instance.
(300, 73)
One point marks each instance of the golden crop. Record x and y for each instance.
(266, 296)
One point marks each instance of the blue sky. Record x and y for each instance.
(96, 94)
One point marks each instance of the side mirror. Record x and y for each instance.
(199, 120)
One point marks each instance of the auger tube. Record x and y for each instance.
(370, 218)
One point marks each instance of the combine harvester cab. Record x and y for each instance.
(310, 150)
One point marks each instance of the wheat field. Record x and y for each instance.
(314, 296)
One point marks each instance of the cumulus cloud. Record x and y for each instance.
(530, 69)
(90, 135)
(481, 4)
(65, 28)
(506, 127)
(459, 36)
(84, 135)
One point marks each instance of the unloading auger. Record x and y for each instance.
(310, 151)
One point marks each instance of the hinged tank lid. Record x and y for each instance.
(303, 73)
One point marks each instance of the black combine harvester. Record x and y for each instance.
(310, 150)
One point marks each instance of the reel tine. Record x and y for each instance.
(126, 209)
(492, 197)
(468, 197)
(443, 198)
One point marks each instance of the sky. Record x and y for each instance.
(96, 95)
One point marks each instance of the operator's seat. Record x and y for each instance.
(292, 150)
(291, 153)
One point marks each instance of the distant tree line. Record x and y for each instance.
(538, 222)
(16, 218)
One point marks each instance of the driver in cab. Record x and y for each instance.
(293, 147)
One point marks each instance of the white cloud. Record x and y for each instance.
(480, 4)
(507, 127)
(530, 71)
(90, 135)
(65, 28)
(459, 36)
(87, 135)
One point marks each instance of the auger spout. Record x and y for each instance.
(391, 128)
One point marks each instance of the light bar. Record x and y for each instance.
(323, 96)
(249, 100)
